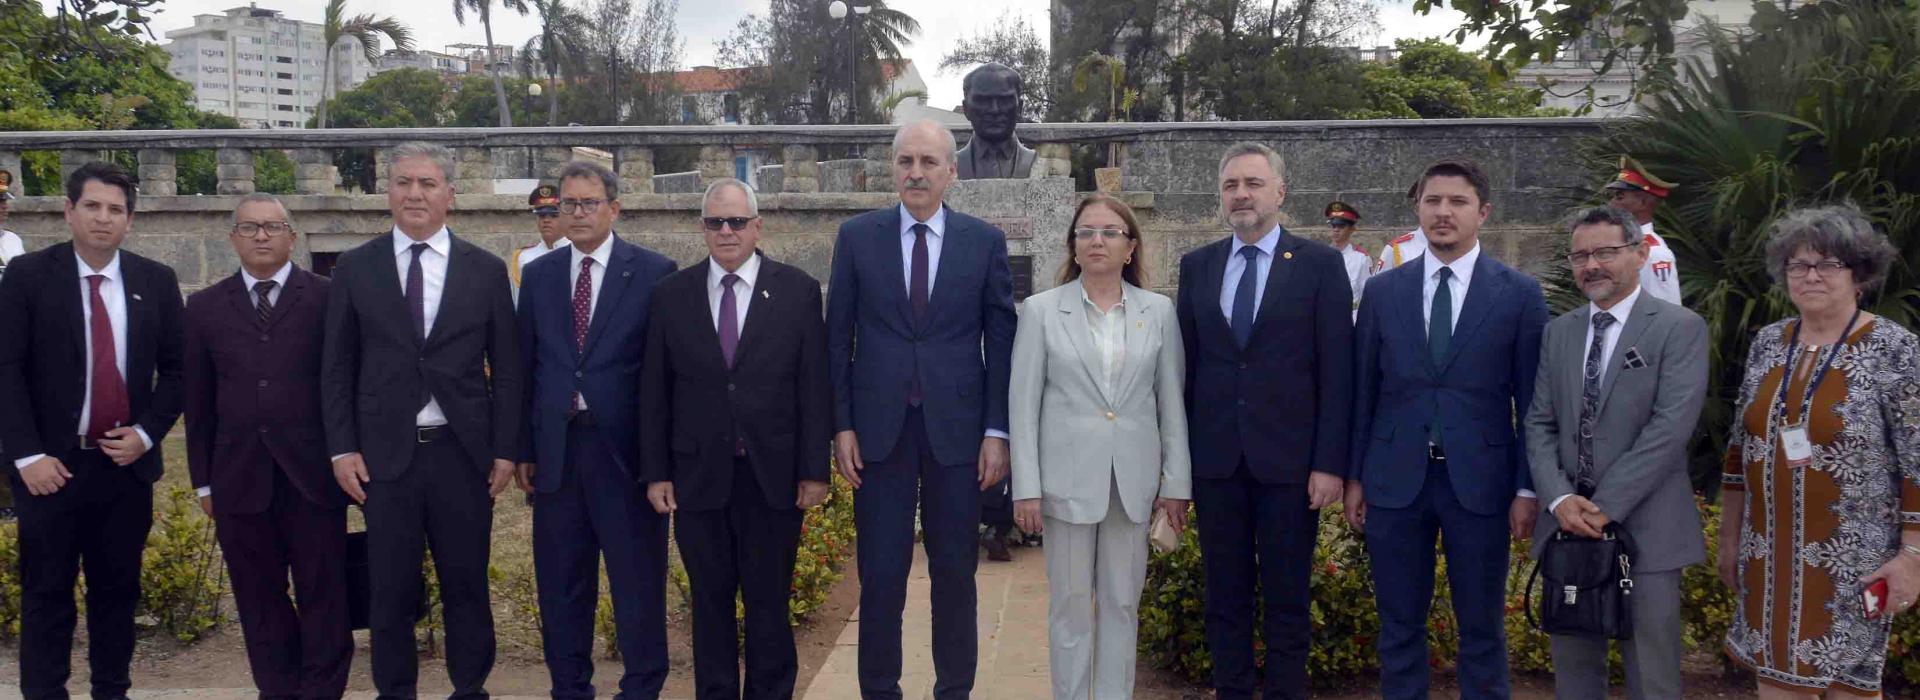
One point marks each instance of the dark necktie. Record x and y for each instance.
(582, 305)
(1590, 400)
(917, 291)
(1440, 336)
(109, 393)
(729, 319)
(264, 291)
(1243, 297)
(416, 293)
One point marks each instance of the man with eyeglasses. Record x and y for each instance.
(583, 327)
(735, 444)
(1619, 391)
(256, 454)
(545, 203)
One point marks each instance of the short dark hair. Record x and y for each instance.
(589, 170)
(106, 173)
(1629, 227)
(1456, 167)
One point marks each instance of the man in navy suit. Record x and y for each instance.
(920, 328)
(1445, 351)
(1266, 320)
(583, 328)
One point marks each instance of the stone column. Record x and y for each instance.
(313, 171)
(473, 172)
(10, 162)
(158, 177)
(72, 159)
(802, 171)
(716, 162)
(1053, 160)
(548, 160)
(234, 169)
(879, 160)
(382, 169)
(635, 165)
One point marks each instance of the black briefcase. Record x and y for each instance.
(359, 588)
(1588, 589)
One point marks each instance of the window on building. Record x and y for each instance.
(283, 108)
(689, 109)
(283, 59)
(251, 105)
(213, 104)
(283, 76)
(284, 124)
(732, 103)
(284, 91)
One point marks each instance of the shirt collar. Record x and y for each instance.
(600, 255)
(279, 278)
(1266, 244)
(936, 226)
(1647, 228)
(1620, 311)
(1126, 290)
(111, 271)
(441, 242)
(749, 271)
(1462, 267)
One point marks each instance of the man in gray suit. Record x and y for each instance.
(1617, 396)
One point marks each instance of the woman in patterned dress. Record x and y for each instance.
(1800, 539)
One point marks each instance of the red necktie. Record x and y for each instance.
(109, 392)
(582, 315)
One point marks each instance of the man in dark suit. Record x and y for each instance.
(738, 419)
(257, 452)
(421, 391)
(89, 384)
(1265, 316)
(1445, 355)
(583, 327)
(920, 328)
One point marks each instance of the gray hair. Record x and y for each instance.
(591, 171)
(1249, 148)
(1629, 227)
(256, 198)
(440, 155)
(753, 202)
(1840, 231)
(953, 146)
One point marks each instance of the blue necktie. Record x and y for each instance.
(1243, 299)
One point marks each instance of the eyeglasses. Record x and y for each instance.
(584, 206)
(1088, 232)
(713, 223)
(273, 228)
(1798, 270)
(1604, 255)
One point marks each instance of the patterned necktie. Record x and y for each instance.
(264, 291)
(1590, 400)
(1243, 297)
(1440, 335)
(582, 305)
(729, 319)
(416, 294)
(109, 392)
(917, 291)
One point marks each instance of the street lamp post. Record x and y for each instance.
(838, 9)
(533, 93)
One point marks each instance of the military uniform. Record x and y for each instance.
(10, 245)
(1660, 276)
(1359, 265)
(1398, 251)
(544, 201)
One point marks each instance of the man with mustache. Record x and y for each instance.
(1618, 394)
(920, 326)
(1445, 353)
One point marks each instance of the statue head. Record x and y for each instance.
(992, 96)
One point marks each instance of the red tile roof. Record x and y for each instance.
(703, 79)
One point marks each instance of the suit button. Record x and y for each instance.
(1243, 365)
(263, 339)
(729, 386)
(263, 429)
(1241, 402)
(1109, 415)
(578, 375)
(263, 383)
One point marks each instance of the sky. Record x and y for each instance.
(703, 23)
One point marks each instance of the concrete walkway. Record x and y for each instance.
(1013, 636)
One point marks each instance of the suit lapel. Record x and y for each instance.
(1213, 272)
(950, 258)
(1136, 365)
(386, 283)
(1074, 319)
(234, 288)
(757, 310)
(1636, 326)
(1482, 291)
(70, 297)
(453, 287)
(296, 283)
(1277, 272)
(700, 309)
(619, 275)
(140, 318)
(1411, 309)
(893, 270)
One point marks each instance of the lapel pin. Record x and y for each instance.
(1139, 324)
(1288, 255)
(764, 294)
(628, 273)
(136, 297)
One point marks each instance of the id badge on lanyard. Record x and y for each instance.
(1794, 442)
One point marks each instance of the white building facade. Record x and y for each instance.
(260, 67)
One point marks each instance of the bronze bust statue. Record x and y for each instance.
(992, 96)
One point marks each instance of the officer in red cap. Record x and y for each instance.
(1639, 192)
(1342, 218)
(545, 204)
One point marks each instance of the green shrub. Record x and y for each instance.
(9, 580)
(826, 537)
(182, 575)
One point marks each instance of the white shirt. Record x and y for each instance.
(599, 256)
(10, 246)
(1457, 285)
(433, 271)
(936, 233)
(279, 280)
(113, 293)
(1109, 329)
(1660, 276)
(1358, 269)
(1237, 266)
(1407, 251)
(528, 255)
(749, 274)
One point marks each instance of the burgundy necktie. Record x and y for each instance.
(109, 394)
(582, 314)
(729, 319)
(917, 291)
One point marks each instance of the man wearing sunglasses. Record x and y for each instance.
(583, 326)
(545, 204)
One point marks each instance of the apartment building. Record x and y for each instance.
(260, 67)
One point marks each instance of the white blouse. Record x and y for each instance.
(1109, 338)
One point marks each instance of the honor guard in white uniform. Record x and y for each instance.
(10, 245)
(1342, 218)
(545, 203)
(1640, 192)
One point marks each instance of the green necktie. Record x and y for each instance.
(1440, 335)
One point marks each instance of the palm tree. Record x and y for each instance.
(366, 29)
(559, 49)
(883, 32)
(485, 8)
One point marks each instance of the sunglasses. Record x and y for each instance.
(713, 223)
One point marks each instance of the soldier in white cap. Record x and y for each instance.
(1639, 192)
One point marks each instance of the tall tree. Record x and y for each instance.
(1012, 42)
(559, 49)
(797, 78)
(485, 10)
(365, 29)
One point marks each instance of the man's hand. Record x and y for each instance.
(812, 493)
(1522, 516)
(993, 461)
(45, 476)
(1572, 516)
(206, 505)
(660, 494)
(1176, 513)
(1323, 490)
(1026, 514)
(123, 445)
(846, 456)
(1354, 505)
(351, 472)
(502, 476)
(523, 473)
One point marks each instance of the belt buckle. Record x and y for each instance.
(1434, 454)
(86, 443)
(424, 435)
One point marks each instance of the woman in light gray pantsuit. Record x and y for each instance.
(1099, 442)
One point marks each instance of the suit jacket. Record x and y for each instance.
(961, 350)
(776, 398)
(607, 374)
(1283, 403)
(1647, 414)
(43, 355)
(253, 394)
(1072, 439)
(375, 374)
(1476, 392)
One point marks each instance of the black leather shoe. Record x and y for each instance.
(997, 548)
